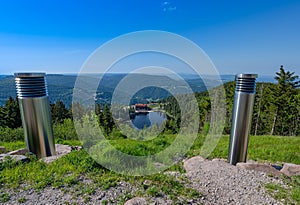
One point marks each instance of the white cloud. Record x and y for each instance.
(167, 6)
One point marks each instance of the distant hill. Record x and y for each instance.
(60, 87)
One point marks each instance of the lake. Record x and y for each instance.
(142, 120)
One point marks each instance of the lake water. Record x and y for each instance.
(146, 120)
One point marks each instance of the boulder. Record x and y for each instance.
(15, 158)
(61, 150)
(290, 169)
(136, 201)
(19, 152)
(259, 167)
(65, 149)
(2, 150)
(192, 163)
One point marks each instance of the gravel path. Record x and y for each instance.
(219, 182)
(222, 183)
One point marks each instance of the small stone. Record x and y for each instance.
(192, 163)
(2, 150)
(136, 201)
(19, 152)
(290, 169)
(172, 173)
(147, 183)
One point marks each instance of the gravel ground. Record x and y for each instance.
(222, 183)
(219, 183)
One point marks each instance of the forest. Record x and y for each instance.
(276, 111)
(276, 108)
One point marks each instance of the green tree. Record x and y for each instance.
(2, 117)
(284, 103)
(77, 111)
(107, 121)
(263, 109)
(11, 113)
(59, 112)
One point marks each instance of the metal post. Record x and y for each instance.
(241, 117)
(35, 113)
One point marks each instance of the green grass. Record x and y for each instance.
(10, 146)
(289, 194)
(4, 197)
(65, 172)
(274, 149)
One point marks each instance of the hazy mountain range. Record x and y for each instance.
(60, 86)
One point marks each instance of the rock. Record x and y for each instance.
(290, 169)
(62, 149)
(172, 173)
(259, 167)
(147, 183)
(19, 152)
(15, 158)
(2, 150)
(3, 155)
(22, 151)
(190, 164)
(51, 159)
(136, 201)
(20, 158)
(76, 147)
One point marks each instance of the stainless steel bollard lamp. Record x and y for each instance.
(35, 113)
(241, 117)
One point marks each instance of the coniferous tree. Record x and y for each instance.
(59, 112)
(11, 112)
(2, 117)
(284, 98)
(107, 121)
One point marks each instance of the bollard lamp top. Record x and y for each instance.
(243, 75)
(24, 75)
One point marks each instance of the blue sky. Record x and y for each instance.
(54, 36)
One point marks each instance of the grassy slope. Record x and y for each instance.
(65, 171)
(274, 149)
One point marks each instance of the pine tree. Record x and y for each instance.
(59, 112)
(107, 121)
(2, 117)
(284, 97)
(11, 112)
